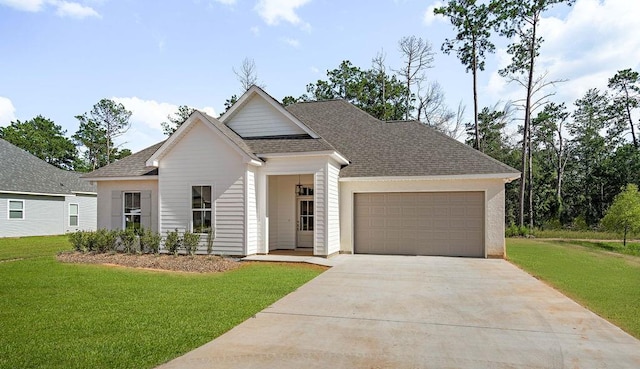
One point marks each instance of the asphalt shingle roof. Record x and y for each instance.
(22, 172)
(376, 148)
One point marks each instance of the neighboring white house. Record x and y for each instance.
(319, 175)
(39, 199)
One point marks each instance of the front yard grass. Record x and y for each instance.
(606, 283)
(56, 315)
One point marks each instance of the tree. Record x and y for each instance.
(247, 75)
(623, 215)
(42, 138)
(473, 24)
(175, 121)
(625, 84)
(106, 121)
(520, 20)
(417, 56)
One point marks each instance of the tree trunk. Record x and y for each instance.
(633, 132)
(530, 174)
(474, 67)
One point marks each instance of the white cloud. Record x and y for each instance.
(74, 10)
(24, 5)
(429, 17)
(146, 119)
(7, 112)
(292, 42)
(588, 46)
(274, 11)
(62, 8)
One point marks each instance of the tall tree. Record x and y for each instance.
(98, 129)
(626, 85)
(247, 74)
(473, 24)
(417, 56)
(176, 119)
(519, 20)
(43, 138)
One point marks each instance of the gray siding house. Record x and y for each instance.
(322, 176)
(38, 199)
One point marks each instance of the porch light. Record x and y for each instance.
(298, 189)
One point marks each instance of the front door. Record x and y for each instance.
(304, 233)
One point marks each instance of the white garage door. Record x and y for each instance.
(419, 223)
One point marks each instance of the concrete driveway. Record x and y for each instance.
(420, 312)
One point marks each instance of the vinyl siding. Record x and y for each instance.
(110, 209)
(202, 157)
(252, 213)
(258, 118)
(320, 218)
(333, 209)
(43, 215)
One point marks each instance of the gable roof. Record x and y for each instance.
(392, 149)
(131, 166)
(254, 90)
(22, 172)
(225, 132)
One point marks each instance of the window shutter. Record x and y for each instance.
(145, 209)
(116, 209)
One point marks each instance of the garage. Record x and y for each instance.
(419, 223)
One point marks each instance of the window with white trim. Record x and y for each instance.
(132, 210)
(16, 209)
(74, 218)
(201, 208)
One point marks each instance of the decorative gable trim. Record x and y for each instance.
(257, 91)
(194, 118)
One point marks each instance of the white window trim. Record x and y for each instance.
(24, 211)
(77, 214)
(212, 209)
(124, 214)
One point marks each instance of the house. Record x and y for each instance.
(39, 199)
(325, 176)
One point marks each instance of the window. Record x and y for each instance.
(201, 208)
(73, 215)
(306, 215)
(16, 209)
(132, 210)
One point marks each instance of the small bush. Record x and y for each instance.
(190, 241)
(79, 240)
(211, 235)
(173, 242)
(149, 241)
(517, 231)
(128, 240)
(105, 240)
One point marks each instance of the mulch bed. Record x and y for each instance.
(181, 263)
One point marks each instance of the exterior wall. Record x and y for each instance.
(333, 208)
(46, 215)
(281, 206)
(494, 205)
(109, 208)
(87, 212)
(202, 157)
(252, 212)
(282, 210)
(258, 118)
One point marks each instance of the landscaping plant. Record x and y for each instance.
(173, 242)
(190, 241)
(149, 241)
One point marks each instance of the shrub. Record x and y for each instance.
(191, 241)
(173, 242)
(128, 239)
(79, 240)
(516, 231)
(105, 240)
(149, 241)
(211, 235)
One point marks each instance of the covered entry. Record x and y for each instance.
(291, 212)
(419, 223)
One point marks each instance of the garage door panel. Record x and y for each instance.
(421, 223)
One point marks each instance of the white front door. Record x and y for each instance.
(304, 232)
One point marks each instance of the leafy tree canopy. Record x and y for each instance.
(43, 138)
(175, 121)
(624, 214)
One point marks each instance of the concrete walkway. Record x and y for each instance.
(420, 312)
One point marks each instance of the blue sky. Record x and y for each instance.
(58, 57)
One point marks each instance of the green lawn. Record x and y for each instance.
(606, 283)
(56, 315)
